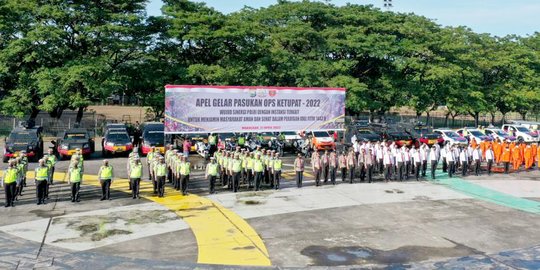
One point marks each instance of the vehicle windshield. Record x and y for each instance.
(400, 136)
(451, 134)
(154, 136)
(500, 132)
(476, 133)
(118, 137)
(75, 136)
(319, 134)
(289, 133)
(365, 132)
(22, 136)
(522, 129)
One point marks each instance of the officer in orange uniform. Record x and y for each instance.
(529, 158)
(497, 151)
(516, 158)
(483, 146)
(505, 158)
(534, 152)
(522, 147)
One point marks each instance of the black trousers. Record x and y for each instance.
(299, 178)
(266, 176)
(11, 192)
(362, 171)
(51, 179)
(258, 180)
(176, 181)
(160, 185)
(400, 170)
(154, 183)
(184, 183)
(369, 172)
(351, 174)
(380, 165)
(388, 172)
(424, 168)
(464, 168)
(277, 178)
(506, 167)
(224, 179)
(250, 178)
(75, 187)
(135, 186)
(407, 169)
(417, 168)
(433, 168)
(325, 171)
(41, 187)
(450, 168)
(47, 185)
(343, 174)
(489, 165)
(169, 175)
(236, 182)
(212, 180)
(477, 167)
(317, 173)
(444, 165)
(105, 189)
(333, 175)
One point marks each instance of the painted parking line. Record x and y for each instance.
(486, 194)
(222, 236)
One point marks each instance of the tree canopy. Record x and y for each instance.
(57, 55)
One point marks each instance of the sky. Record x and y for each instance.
(497, 17)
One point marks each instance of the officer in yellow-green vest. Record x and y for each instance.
(211, 174)
(22, 165)
(160, 171)
(177, 166)
(185, 171)
(10, 180)
(224, 167)
(249, 168)
(41, 177)
(106, 176)
(135, 175)
(149, 159)
(236, 170)
(75, 175)
(258, 170)
(51, 160)
(276, 169)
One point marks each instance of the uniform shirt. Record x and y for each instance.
(433, 155)
(463, 157)
(489, 154)
(424, 153)
(416, 156)
(316, 162)
(450, 156)
(477, 154)
(368, 159)
(379, 152)
(351, 161)
(400, 157)
(333, 160)
(342, 161)
(387, 158)
(299, 164)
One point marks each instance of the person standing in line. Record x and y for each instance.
(185, 171)
(490, 158)
(387, 159)
(75, 179)
(333, 164)
(236, 171)
(258, 170)
(325, 166)
(477, 159)
(417, 160)
(464, 160)
(450, 160)
(529, 157)
(444, 151)
(316, 167)
(433, 159)
(343, 165)
(149, 160)
(211, 174)
(276, 170)
(160, 172)
(351, 163)
(299, 164)
(106, 176)
(360, 164)
(506, 156)
(379, 153)
(399, 163)
(424, 151)
(40, 179)
(408, 163)
(470, 150)
(135, 175)
(186, 145)
(249, 168)
(368, 163)
(10, 181)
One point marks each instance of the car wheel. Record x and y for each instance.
(520, 139)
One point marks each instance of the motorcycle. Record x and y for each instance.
(230, 146)
(276, 145)
(203, 149)
(252, 144)
(304, 147)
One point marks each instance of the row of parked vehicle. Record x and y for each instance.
(415, 134)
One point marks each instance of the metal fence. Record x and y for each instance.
(53, 126)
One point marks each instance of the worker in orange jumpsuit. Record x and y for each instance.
(473, 143)
(505, 158)
(497, 151)
(528, 156)
(522, 147)
(534, 152)
(516, 158)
